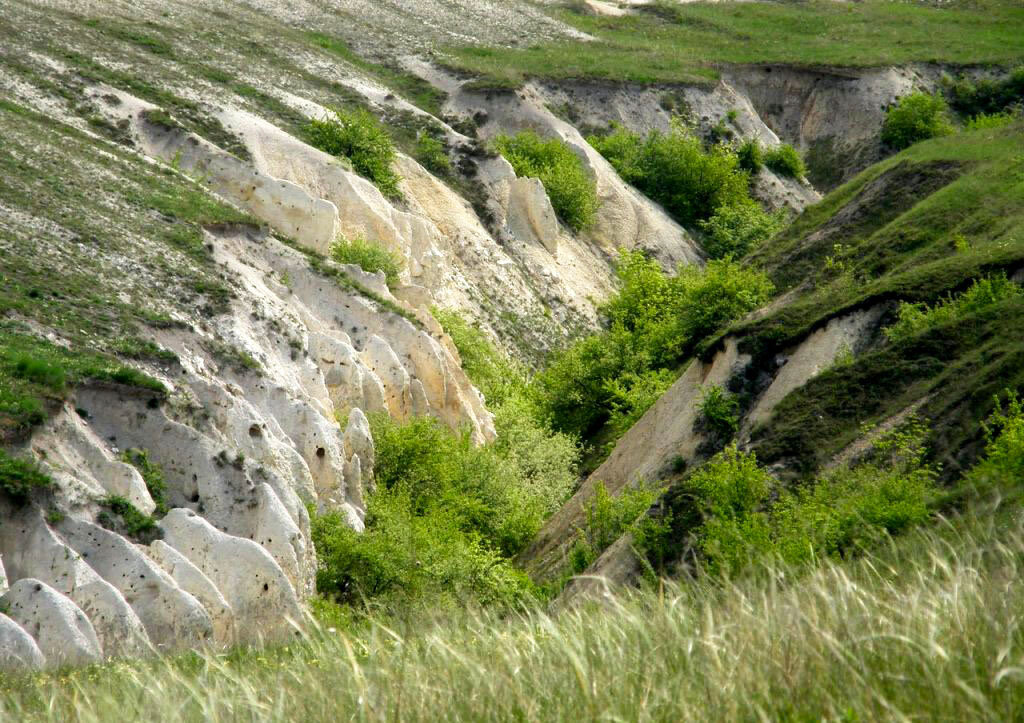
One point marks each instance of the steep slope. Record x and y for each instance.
(814, 369)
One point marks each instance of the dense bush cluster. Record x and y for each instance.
(359, 137)
(737, 229)
(447, 515)
(916, 117)
(985, 293)
(652, 324)
(987, 96)
(745, 514)
(573, 192)
(785, 161)
(369, 257)
(606, 519)
(675, 169)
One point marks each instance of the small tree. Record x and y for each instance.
(916, 117)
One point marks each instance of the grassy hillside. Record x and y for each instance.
(914, 228)
(672, 43)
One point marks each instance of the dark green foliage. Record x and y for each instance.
(153, 474)
(572, 191)
(735, 230)
(675, 170)
(19, 478)
(987, 96)
(719, 412)
(607, 519)
(432, 154)
(123, 517)
(983, 294)
(1002, 468)
(750, 156)
(653, 323)
(369, 257)
(359, 137)
(786, 161)
(731, 511)
(916, 117)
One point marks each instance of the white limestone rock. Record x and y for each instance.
(191, 579)
(60, 628)
(18, 651)
(174, 619)
(32, 550)
(263, 600)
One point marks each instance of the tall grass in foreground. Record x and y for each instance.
(928, 627)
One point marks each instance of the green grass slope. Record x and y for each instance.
(673, 43)
(914, 228)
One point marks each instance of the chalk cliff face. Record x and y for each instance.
(271, 355)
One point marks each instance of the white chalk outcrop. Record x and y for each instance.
(59, 627)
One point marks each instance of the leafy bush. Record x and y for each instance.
(431, 153)
(1002, 467)
(675, 170)
(913, 319)
(631, 395)
(45, 372)
(653, 323)
(719, 412)
(745, 515)
(153, 475)
(750, 156)
(993, 120)
(987, 96)
(122, 516)
(359, 137)
(785, 161)
(735, 230)
(607, 518)
(916, 117)
(369, 257)
(19, 477)
(572, 191)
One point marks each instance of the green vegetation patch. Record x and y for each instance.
(916, 117)
(683, 43)
(153, 475)
(370, 257)
(19, 478)
(572, 191)
(358, 137)
(675, 169)
(121, 516)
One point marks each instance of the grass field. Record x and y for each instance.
(927, 628)
(685, 43)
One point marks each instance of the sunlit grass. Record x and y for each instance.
(928, 627)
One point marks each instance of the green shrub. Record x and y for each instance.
(653, 323)
(750, 156)
(431, 153)
(735, 230)
(122, 516)
(786, 161)
(45, 372)
(19, 477)
(746, 515)
(916, 117)
(675, 170)
(993, 120)
(988, 96)
(606, 518)
(153, 475)
(370, 257)
(572, 191)
(1002, 467)
(359, 137)
(719, 412)
(630, 395)
(985, 293)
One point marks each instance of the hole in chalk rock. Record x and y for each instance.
(320, 452)
(254, 431)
